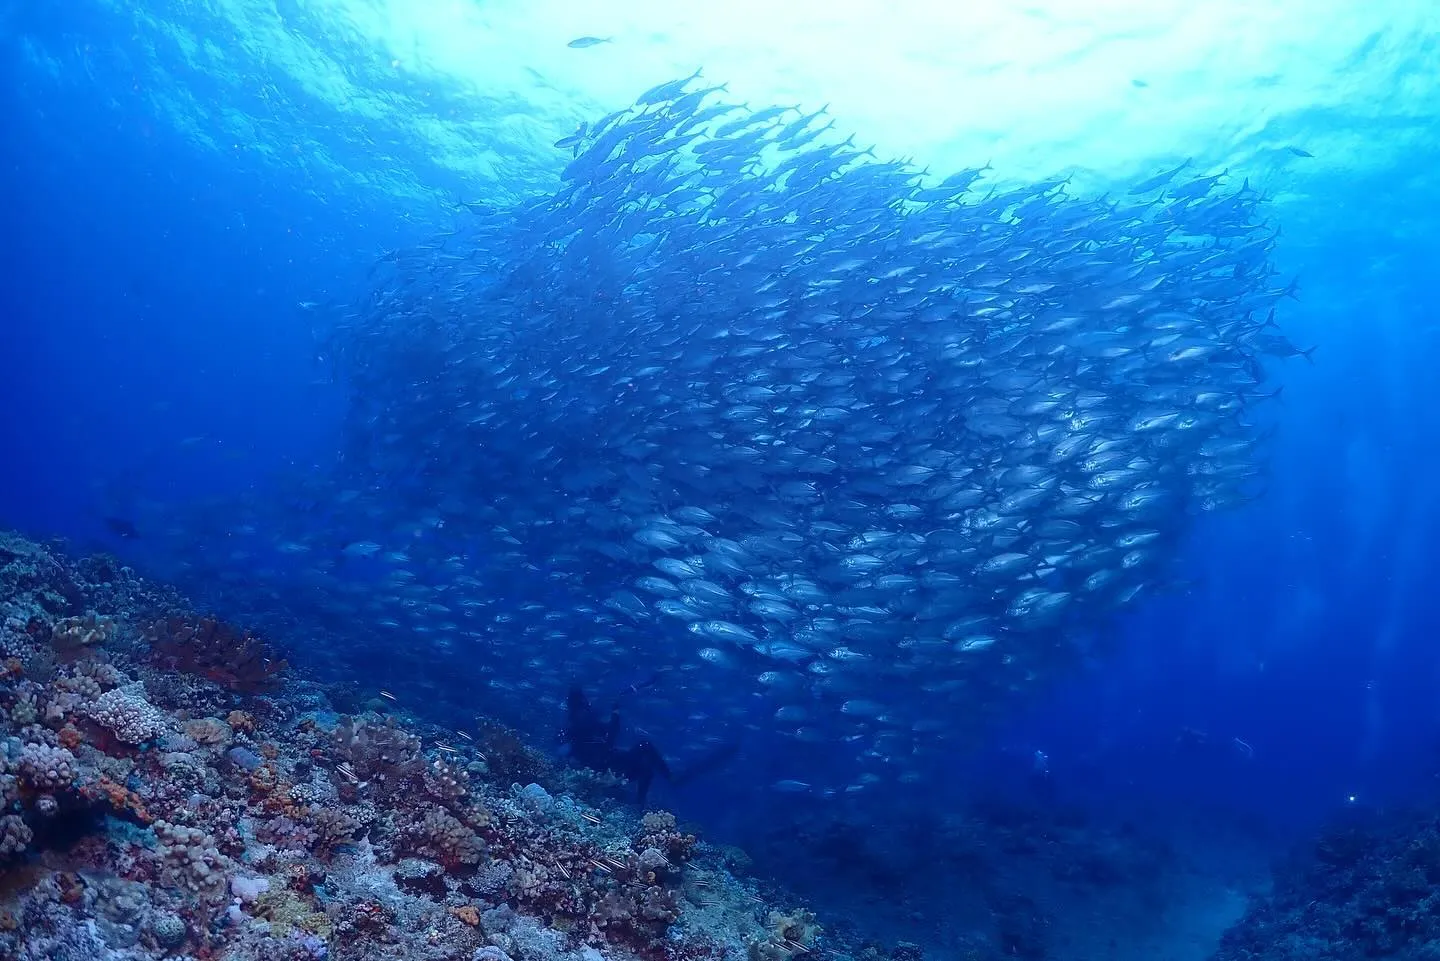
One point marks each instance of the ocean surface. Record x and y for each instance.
(1047, 424)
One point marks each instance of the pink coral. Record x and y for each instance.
(15, 835)
(45, 768)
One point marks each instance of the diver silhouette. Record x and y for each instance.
(593, 743)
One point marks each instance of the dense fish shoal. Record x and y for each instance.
(843, 453)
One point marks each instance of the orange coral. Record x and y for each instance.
(71, 887)
(241, 721)
(300, 877)
(121, 799)
(70, 737)
(273, 793)
(263, 779)
(467, 913)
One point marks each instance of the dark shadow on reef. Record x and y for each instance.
(1369, 887)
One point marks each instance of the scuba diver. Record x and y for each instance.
(593, 741)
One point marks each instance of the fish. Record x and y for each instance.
(790, 786)
(361, 548)
(832, 438)
(1159, 180)
(572, 140)
(665, 91)
(580, 43)
(122, 527)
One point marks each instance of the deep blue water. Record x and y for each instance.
(169, 213)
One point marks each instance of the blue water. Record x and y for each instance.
(182, 178)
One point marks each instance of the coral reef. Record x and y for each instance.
(126, 714)
(234, 659)
(785, 936)
(71, 634)
(171, 791)
(1365, 889)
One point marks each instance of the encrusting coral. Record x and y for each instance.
(171, 791)
(70, 634)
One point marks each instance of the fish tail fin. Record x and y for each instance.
(1275, 395)
(716, 758)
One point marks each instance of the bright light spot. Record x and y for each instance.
(1041, 87)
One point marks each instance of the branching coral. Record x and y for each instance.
(68, 694)
(206, 647)
(25, 708)
(382, 755)
(78, 686)
(446, 784)
(286, 833)
(641, 912)
(508, 757)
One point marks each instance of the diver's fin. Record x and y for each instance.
(714, 760)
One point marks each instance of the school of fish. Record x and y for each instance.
(845, 452)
